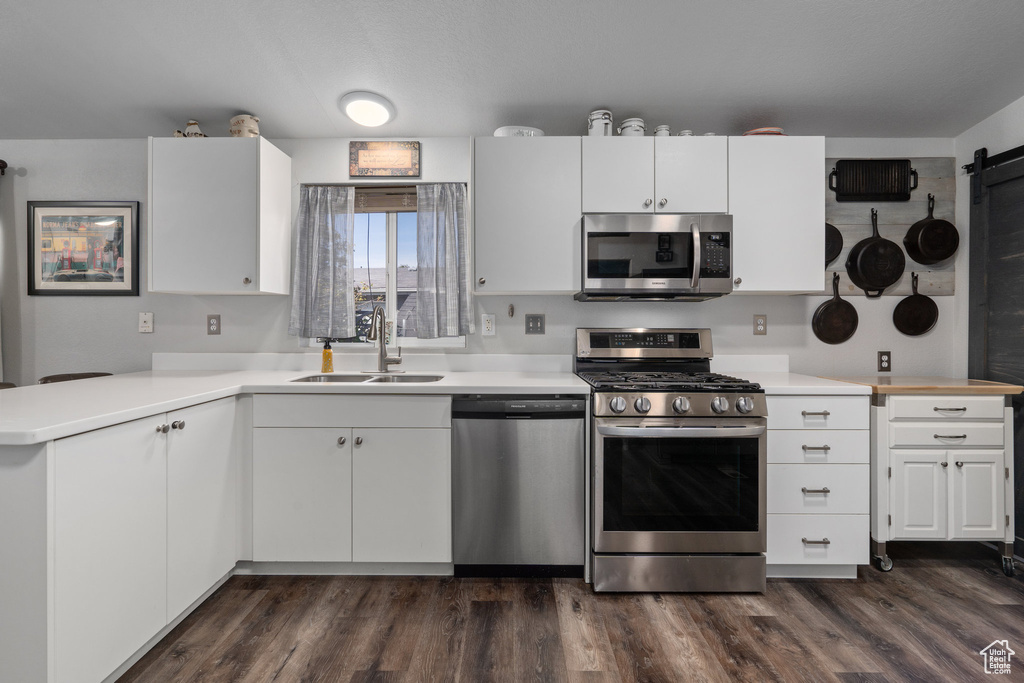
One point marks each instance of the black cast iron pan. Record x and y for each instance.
(931, 239)
(836, 320)
(916, 314)
(833, 243)
(875, 263)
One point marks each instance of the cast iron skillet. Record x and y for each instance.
(875, 263)
(931, 239)
(836, 320)
(916, 314)
(833, 243)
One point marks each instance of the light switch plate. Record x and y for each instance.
(760, 323)
(145, 322)
(534, 323)
(213, 324)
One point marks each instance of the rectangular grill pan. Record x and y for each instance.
(872, 180)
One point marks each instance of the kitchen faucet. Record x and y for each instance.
(377, 333)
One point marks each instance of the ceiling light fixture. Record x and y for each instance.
(367, 108)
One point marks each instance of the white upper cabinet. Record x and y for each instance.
(656, 174)
(526, 208)
(219, 216)
(777, 201)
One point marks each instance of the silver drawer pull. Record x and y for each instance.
(822, 413)
(937, 409)
(950, 436)
(823, 489)
(826, 448)
(823, 541)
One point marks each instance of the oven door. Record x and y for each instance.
(664, 485)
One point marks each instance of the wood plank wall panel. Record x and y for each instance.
(936, 175)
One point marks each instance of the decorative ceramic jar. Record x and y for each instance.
(245, 126)
(662, 131)
(686, 132)
(192, 130)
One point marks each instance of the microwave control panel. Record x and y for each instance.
(714, 251)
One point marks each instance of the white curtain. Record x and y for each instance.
(443, 305)
(323, 304)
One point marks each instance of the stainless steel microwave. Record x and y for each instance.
(656, 257)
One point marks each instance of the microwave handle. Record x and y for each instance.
(682, 432)
(695, 278)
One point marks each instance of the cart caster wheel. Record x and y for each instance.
(1008, 566)
(885, 563)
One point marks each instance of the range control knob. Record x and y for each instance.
(719, 404)
(681, 404)
(617, 404)
(744, 404)
(642, 404)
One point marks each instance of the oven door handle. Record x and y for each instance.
(682, 432)
(695, 277)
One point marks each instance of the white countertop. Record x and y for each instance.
(34, 414)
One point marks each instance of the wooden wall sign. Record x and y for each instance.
(384, 158)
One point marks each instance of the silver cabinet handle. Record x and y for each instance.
(341, 441)
(959, 463)
(359, 441)
(950, 436)
(823, 541)
(808, 413)
(944, 464)
(178, 424)
(937, 409)
(823, 489)
(482, 281)
(648, 203)
(163, 429)
(826, 448)
(246, 281)
(662, 203)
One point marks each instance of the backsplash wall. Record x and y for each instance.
(46, 335)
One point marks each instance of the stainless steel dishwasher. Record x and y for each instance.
(518, 485)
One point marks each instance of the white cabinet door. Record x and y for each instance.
(691, 174)
(220, 213)
(401, 495)
(302, 494)
(919, 491)
(526, 206)
(618, 175)
(202, 481)
(977, 485)
(777, 201)
(110, 547)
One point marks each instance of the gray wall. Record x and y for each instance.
(45, 335)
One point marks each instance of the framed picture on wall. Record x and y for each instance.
(83, 248)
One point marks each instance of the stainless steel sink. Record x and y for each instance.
(333, 378)
(407, 378)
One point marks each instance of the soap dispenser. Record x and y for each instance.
(327, 359)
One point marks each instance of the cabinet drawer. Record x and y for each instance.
(794, 489)
(847, 535)
(945, 435)
(318, 410)
(819, 446)
(818, 412)
(945, 407)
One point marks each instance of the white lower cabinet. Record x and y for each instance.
(818, 485)
(302, 494)
(352, 478)
(110, 547)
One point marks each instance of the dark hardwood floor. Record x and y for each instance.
(924, 621)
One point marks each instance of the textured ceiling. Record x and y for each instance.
(133, 68)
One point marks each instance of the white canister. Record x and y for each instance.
(599, 122)
(632, 127)
(662, 131)
(686, 132)
(244, 126)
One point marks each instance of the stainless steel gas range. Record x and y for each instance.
(678, 473)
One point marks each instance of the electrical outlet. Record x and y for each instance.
(760, 323)
(487, 325)
(213, 324)
(885, 361)
(534, 323)
(145, 322)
